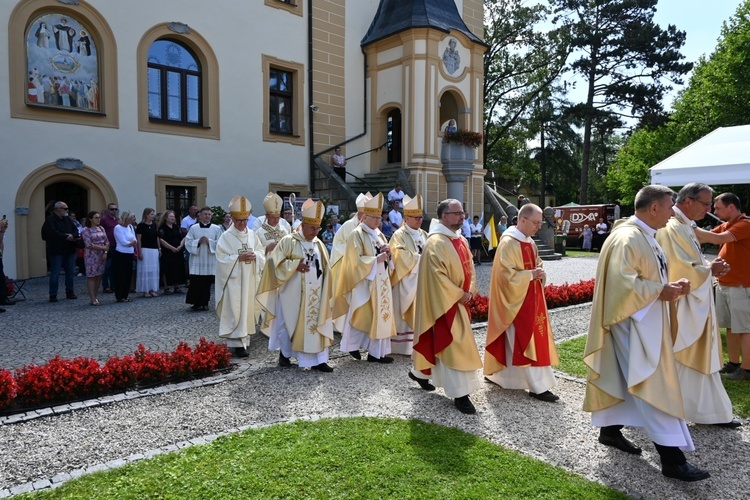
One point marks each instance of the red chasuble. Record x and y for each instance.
(530, 323)
(439, 337)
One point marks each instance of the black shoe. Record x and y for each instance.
(384, 359)
(2, 310)
(545, 396)
(355, 354)
(70, 296)
(8, 302)
(423, 383)
(241, 352)
(323, 367)
(732, 424)
(729, 367)
(465, 405)
(618, 441)
(685, 472)
(284, 362)
(53, 298)
(195, 307)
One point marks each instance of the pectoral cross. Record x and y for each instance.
(244, 249)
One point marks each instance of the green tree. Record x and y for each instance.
(522, 61)
(624, 58)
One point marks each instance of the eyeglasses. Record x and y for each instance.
(415, 216)
(707, 205)
(241, 221)
(114, 209)
(535, 222)
(375, 217)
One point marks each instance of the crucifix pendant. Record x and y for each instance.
(244, 249)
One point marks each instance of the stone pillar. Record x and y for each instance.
(458, 163)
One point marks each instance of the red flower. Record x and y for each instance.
(7, 388)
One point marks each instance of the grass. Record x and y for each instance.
(339, 458)
(579, 253)
(571, 362)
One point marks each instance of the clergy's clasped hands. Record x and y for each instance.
(537, 274)
(674, 290)
(384, 253)
(247, 257)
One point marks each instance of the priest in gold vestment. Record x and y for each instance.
(239, 262)
(272, 227)
(407, 244)
(363, 296)
(339, 239)
(632, 377)
(695, 330)
(295, 292)
(520, 348)
(444, 346)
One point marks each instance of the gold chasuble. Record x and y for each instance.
(442, 326)
(518, 300)
(407, 246)
(304, 298)
(371, 303)
(694, 314)
(629, 279)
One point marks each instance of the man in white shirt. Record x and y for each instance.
(396, 194)
(190, 219)
(395, 216)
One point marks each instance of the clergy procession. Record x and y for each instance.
(653, 349)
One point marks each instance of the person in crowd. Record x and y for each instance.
(466, 227)
(697, 344)
(522, 200)
(4, 299)
(109, 221)
(394, 216)
(733, 291)
(334, 220)
(271, 228)
(327, 237)
(122, 262)
(396, 194)
(79, 225)
(226, 221)
(339, 163)
(61, 235)
(149, 252)
(340, 237)
(95, 253)
(502, 225)
(520, 348)
(386, 227)
(475, 242)
(600, 233)
(632, 377)
(295, 292)
(172, 245)
(289, 218)
(587, 238)
(190, 219)
(407, 244)
(363, 289)
(200, 242)
(239, 264)
(444, 346)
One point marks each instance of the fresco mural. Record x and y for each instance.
(62, 62)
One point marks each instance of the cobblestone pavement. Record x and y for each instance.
(34, 330)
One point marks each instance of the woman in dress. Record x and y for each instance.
(122, 261)
(149, 251)
(226, 222)
(172, 259)
(588, 237)
(95, 254)
(327, 237)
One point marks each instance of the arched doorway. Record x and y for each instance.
(393, 136)
(83, 190)
(450, 103)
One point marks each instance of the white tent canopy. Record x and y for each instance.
(721, 157)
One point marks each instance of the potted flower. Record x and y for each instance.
(464, 137)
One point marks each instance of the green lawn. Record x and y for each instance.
(339, 458)
(571, 362)
(579, 253)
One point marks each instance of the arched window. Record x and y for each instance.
(174, 84)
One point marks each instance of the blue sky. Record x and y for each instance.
(700, 19)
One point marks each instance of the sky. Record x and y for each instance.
(700, 19)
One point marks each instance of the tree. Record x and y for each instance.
(521, 62)
(624, 60)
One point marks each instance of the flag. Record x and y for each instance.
(490, 232)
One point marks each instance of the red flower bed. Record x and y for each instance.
(555, 295)
(61, 380)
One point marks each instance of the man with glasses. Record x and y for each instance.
(239, 264)
(109, 220)
(520, 348)
(632, 378)
(733, 292)
(407, 244)
(444, 346)
(363, 294)
(697, 344)
(60, 234)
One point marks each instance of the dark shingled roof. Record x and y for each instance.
(395, 16)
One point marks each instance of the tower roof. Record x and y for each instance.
(395, 16)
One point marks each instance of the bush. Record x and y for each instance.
(8, 388)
